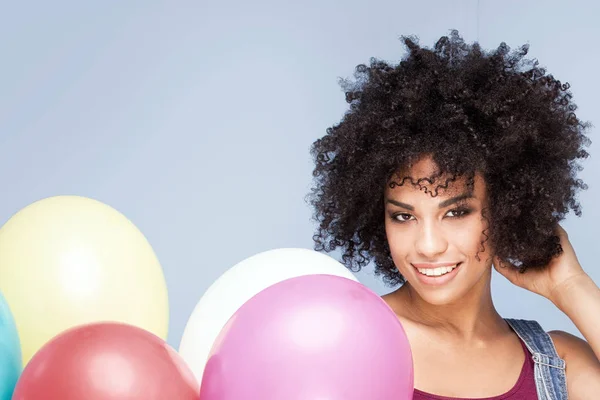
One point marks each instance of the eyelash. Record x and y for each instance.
(462, 211)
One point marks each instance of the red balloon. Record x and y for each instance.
(107, 361)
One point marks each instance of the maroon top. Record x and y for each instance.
(524, 389)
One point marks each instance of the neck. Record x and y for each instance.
(470, 318)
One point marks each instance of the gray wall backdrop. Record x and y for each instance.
(194, 118)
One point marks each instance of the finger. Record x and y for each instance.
(563, 237)
(506, 270)
(560, 231)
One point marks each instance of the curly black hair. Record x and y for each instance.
(490, 112)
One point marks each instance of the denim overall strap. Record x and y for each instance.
(549, 369)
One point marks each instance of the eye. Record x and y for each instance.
(459, 212)
(402, 217)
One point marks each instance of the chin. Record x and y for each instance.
(438, 296)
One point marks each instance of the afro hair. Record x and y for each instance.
(490, 112)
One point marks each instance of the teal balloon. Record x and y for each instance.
(11, 363)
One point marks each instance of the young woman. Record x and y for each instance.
(451, 163)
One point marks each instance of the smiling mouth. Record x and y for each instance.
(439, 271)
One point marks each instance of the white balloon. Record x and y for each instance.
(240, 283)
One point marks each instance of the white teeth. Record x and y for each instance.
(439, 271)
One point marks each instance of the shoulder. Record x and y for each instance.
(569, 346)
(582, 365)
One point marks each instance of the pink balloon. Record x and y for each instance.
(308, 338)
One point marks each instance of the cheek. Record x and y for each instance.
(468, 241)
(398, 241)
(472, 238)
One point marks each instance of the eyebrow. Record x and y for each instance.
(443, 204)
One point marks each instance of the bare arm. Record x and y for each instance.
(579, 299)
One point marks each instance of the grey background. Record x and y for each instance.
(194, 119)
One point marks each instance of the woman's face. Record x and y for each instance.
(436, 242)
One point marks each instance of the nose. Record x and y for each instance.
(431, 241)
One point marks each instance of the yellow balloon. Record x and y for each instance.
(70, 260)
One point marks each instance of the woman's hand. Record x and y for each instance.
(561, 274)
